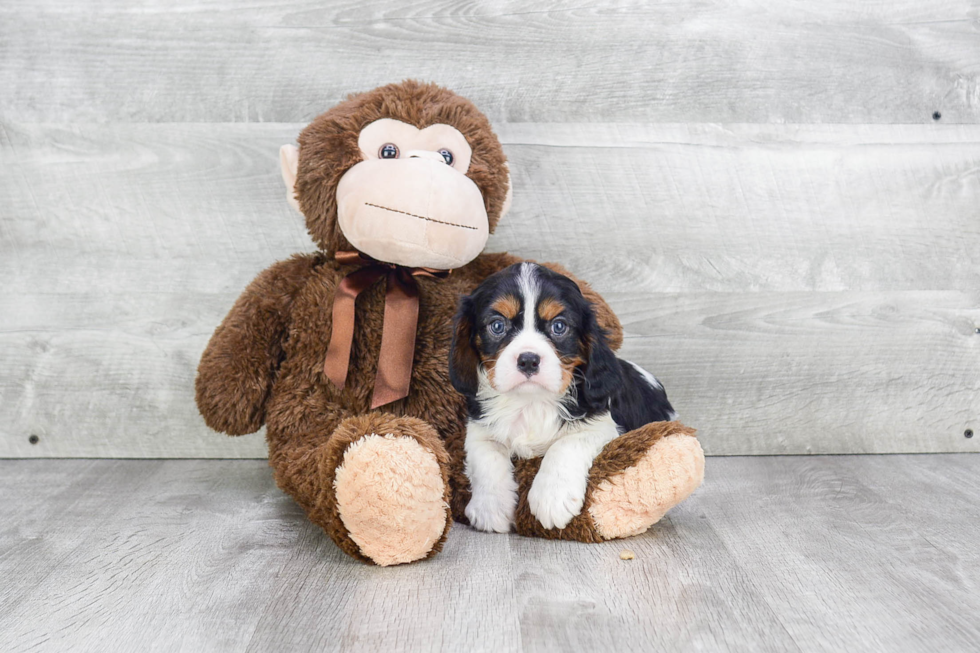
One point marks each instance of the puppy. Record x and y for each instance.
(540, 380)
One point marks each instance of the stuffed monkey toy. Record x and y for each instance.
(343, 353)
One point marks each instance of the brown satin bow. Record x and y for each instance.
(397, 334)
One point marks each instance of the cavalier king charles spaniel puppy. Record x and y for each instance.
(540, 380)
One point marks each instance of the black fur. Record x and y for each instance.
(637, 402)
(463, 359)
(601, 377)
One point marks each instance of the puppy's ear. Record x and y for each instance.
(603, 375)
(464, 361)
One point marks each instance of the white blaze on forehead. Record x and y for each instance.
(506, 374)
(527, 281)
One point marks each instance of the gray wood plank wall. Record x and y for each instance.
(761, 191)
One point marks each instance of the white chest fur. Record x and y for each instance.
(525, 422)
(525, 426)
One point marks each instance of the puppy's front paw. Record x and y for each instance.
(556, 499)
(492, 513)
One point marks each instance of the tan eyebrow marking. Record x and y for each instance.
(508, 306)
(550, 308)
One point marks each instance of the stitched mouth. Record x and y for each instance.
(420, 217)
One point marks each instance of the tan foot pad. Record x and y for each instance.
(631, 502)
(390, 496)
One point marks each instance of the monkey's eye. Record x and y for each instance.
(559, 327)
(497, 326)
(388, 151)
(447, 155)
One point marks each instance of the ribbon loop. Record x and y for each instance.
(398, 333)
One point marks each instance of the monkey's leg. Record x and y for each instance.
(636, 479)
(378, 486)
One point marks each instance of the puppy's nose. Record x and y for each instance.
(528, 363)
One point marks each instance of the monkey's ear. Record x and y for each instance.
(288, 165)
(510, 194)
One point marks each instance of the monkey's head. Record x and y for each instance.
(408, 173)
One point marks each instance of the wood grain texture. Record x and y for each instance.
(182, 556)
(673, 207)
(817, 553)
(798, 289)
(762, 373)
(881, 61)
(741, 208)
(844, 528)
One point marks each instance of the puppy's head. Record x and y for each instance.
(530, 330)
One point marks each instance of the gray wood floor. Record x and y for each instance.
(872, 553)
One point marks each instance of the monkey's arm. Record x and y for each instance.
(241, 361)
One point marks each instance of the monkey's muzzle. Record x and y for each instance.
(416, 212)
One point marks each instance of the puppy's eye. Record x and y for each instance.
(559, 327)
(497, 326)
(447, 155)
(388, 151)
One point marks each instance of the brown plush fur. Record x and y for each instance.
(264, 363)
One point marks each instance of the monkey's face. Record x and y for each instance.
(409, 200)
(407, 173)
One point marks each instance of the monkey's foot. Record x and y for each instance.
(391, 497)
(632, 501)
